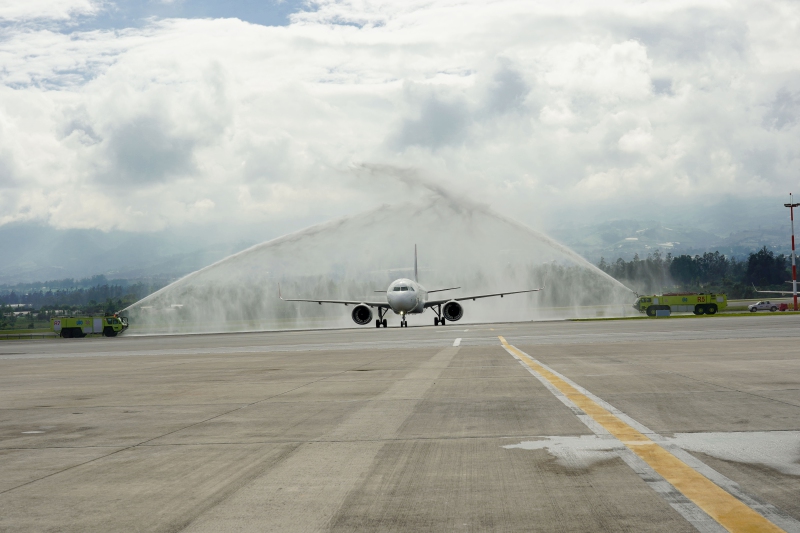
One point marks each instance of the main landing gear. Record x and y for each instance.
(380, 321)
(438, 319)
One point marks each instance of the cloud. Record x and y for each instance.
(507, 91)
(536, 108)
(440, 122)
(144, 150)
(16, 11)
(784, 110)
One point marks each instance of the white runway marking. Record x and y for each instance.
(457, 342)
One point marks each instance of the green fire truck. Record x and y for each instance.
(76, 327)
(675, 302)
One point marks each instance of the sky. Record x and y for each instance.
(160, 115)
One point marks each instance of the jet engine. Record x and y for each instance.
(362, 315)
(452, 311)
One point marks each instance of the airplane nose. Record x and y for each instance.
(404, 301)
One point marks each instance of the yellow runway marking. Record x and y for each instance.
(731, 514)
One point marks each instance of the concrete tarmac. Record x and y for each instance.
(413, 429)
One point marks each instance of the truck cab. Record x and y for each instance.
(642, 303)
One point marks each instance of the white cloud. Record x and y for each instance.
(636, 140)
(530, 106)
(17, 10)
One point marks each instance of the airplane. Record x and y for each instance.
(406, 297)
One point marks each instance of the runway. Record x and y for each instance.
(642, 425)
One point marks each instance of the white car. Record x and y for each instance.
(763, 306)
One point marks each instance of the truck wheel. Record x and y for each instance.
(773, 308)
(699, 309)
(66, 333)
(711, 309)
(108, 331)
(651, 311)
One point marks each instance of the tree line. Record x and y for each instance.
(711, 272)
(98, 299)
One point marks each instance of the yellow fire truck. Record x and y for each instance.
(697, 303)
(76, 327)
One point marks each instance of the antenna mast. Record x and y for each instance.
(791, 205)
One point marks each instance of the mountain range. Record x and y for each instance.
(735, 227)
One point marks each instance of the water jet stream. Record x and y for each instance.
(460, 244)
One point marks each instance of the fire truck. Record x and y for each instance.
(76, 327)
(675, 302)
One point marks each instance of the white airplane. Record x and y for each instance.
(407, 297)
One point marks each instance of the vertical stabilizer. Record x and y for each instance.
(416, 278)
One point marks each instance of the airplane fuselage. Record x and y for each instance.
(406, 296)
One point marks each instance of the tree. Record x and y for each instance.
(764, 268)
(684, 269)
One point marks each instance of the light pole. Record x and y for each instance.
(791, 205)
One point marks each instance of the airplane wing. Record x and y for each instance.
(775, 292)
(478, 296)
(780, 292)
(344, 302)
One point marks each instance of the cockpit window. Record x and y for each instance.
(403, 288)
(396, 289)
(411, 289)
